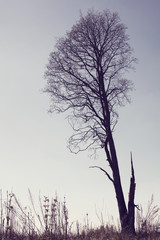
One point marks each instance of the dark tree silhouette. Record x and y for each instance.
(85, 77)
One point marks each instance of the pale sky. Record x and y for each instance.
(33, 143)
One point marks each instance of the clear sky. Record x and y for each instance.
(33, 152)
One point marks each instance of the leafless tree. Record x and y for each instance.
(85, 77)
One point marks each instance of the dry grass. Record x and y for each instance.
(52, 223)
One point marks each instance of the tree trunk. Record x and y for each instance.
(127, 217)
(117, 184)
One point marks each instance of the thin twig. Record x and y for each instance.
(104, 172)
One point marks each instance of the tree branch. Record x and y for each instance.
(104, 172)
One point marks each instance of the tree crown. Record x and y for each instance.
(85, 77)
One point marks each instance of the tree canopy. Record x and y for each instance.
(85, 73)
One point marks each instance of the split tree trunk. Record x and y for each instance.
(127, 216)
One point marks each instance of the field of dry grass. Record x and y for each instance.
(52, 222)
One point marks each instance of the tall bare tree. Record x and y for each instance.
(85, 77)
